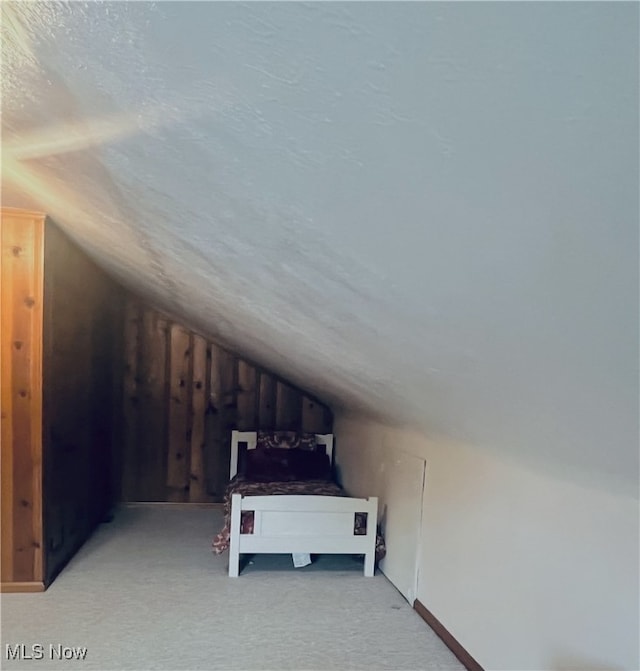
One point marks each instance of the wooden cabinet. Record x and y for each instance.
(61, 325)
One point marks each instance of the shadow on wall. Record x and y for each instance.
(576, 663)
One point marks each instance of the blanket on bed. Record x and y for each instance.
(240, 485)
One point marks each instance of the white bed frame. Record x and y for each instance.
(299, 524)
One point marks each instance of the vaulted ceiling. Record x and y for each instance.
(427, 212)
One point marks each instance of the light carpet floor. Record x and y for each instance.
(145, 592)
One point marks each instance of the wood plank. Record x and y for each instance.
(37, 530)
(252, 544)
(130, 407)
(6, 443)
(26, 392)
(213, 425)
(102, 304)
(316, 417)
(144, 480)
(447, 637)
(117, 388)
(179, 414)
(198, 489)
(152, 429)
(22, 587)
(288, 407)
(267, 402)
(174, 505)
(228, 363)
(221, 418)
(247, 419)
(20, 395)
(300, 505)
(229, 380)
(162, 346)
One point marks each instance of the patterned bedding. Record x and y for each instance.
(240, 485)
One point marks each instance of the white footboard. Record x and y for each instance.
(302, 524)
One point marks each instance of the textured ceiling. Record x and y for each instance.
(427, 212)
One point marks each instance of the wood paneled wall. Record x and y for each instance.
(21, 310)
(81, 341)
(183, 395)
(61, 323)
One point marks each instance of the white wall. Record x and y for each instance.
(526, 570)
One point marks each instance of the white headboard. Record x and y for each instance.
(251, 438)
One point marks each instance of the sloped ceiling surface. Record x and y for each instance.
(424, 211)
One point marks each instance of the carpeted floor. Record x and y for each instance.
(145, 592)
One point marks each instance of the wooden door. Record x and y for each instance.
(404, 485)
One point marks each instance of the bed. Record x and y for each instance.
(281, 499)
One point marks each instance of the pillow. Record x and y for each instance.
(286, 440)
(277, 464)
(269, 465)
(310, 465)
